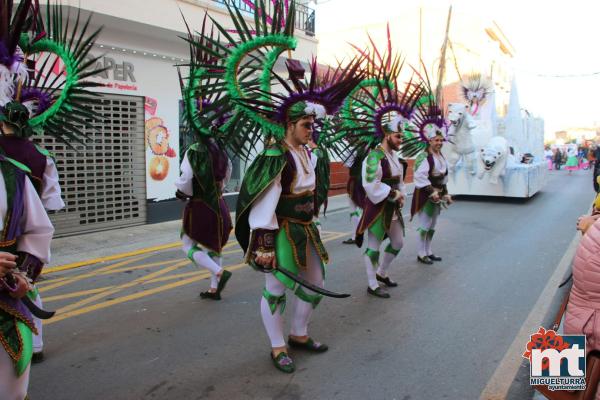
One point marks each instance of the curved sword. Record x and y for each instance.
(311, 286)
(302, 282)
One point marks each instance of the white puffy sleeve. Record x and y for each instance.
(37, 230)
(185, 180)
(376, 190)
(262, 215)
(51, 193)
(421, 177)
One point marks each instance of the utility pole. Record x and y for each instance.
(442, 68)
(420, 38)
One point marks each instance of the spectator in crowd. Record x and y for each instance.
(557, 159)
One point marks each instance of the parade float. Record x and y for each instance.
(489, 155)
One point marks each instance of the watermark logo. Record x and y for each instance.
(556, 361)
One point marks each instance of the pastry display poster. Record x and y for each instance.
(162, 161)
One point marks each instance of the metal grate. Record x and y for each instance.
(103, 184)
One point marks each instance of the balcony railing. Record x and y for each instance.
(305, 16)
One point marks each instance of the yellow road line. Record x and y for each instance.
(50, 281)
(72, 310)
(176, 276)
(137, 267)
(113, 257)
(119, 288)
(108, 258)
(134, 296)
(75, 294)
(162, 262)
(118, 256)
(89, 274)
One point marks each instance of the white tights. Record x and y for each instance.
(273, 322)
(11, 386)
(426, 224)
(202, 259)
(396, 240)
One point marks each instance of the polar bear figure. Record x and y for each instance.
(493, 157)
(460, 140)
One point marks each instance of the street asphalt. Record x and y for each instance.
(133, 327)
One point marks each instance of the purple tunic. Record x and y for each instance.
(25, 152)
(370, 210)
(210, 228)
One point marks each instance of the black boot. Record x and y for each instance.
(210, 295)
(387, 281)
(434, 257)
(379, 292)
(309, 345)
(424, 260)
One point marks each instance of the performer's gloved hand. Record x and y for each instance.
(21, 288)
(267, 260)
(263, 248)
(7, 263)
(448, 199)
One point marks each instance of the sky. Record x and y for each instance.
(550, 38)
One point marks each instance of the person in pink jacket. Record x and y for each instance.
(583, 309)
(582, 315)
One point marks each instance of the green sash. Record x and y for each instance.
(296, 207)
(292, 246)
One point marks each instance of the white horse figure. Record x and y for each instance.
(460, 140)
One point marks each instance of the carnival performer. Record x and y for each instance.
(381, 112)
(276, 204)
(383, 176)
(383, 172)
(275, 211)
(205, 170)
(27, 236)
(431, 174)
(60, 109)
(44, 176)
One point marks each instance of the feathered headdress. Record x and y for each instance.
(319, 97)
(52, 98)
(240, 63)
(207, 106)
(243, 63)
